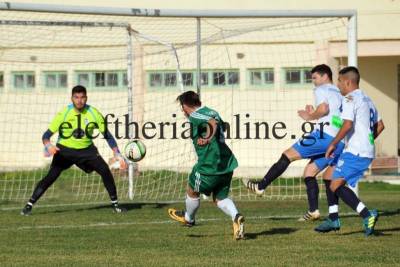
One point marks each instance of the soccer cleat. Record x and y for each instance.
(253, 187)
(310, 216)
(238, 227)
(328, 225)
(27, 210)
(118, 209)
(370, 222)
(179, 216)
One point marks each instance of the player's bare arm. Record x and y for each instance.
(310, 114)
(378, 128)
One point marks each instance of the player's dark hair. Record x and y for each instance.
(352, 73)
(78, 89)
(323, 69)
(189, 98)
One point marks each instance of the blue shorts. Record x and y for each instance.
(314, 145)
(351, 168)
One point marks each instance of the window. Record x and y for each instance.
(63, 80)
(297, 76)
(155, 79)
(103, 80)
(1, 79)
(293, 76)
(170, 79)
(187, 78)
(269, 76)
(219, 78)
(307, 76)
(204, 78)
(83, 79)
(125, 79)
(255, 78)
(260, 78)
(51, 80)
(233, 77)
(112, 79)
(55, 80)
(23, 80)
(100, 79)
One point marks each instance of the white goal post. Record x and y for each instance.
(250, 65)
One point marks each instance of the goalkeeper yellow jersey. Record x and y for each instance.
(77, 129)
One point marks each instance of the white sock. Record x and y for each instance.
(360, 207)
(334, 209)
(228, 207)
(192, 205)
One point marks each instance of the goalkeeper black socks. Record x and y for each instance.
(312, 192)
(350, 198)
(332, 200)
(274, 172)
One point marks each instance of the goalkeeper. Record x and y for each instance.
(213, 171)
(75, 125)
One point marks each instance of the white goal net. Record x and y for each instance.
(254, 71)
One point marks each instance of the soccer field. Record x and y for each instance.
(91, 235)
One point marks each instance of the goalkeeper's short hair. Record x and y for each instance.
(78, 89)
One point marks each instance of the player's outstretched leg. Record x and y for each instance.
(273, 173)
(41, 188)
(252, 186)
(179, 216)
(192, 204)
(187, 217)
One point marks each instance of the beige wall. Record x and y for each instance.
(375, 18)
(379, 80)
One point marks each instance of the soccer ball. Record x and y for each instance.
(135, 150)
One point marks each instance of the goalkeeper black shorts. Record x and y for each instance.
(85, 158)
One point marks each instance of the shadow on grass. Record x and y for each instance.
(382, 213)
(273, 231)
(128, 206)
(378, 232)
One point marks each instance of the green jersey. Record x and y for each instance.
(214, 158)
(75, 129)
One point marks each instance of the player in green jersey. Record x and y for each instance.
(212, 174)
(75, 125)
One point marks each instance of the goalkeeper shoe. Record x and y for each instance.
(27, 210)
(117, 208)
(238, 227)
(328, 225)
(369, 222)
(253, 187)
(310, 216)
(179, 216)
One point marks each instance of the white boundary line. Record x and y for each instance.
(107, 224)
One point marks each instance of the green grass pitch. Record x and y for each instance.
(91, 235)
